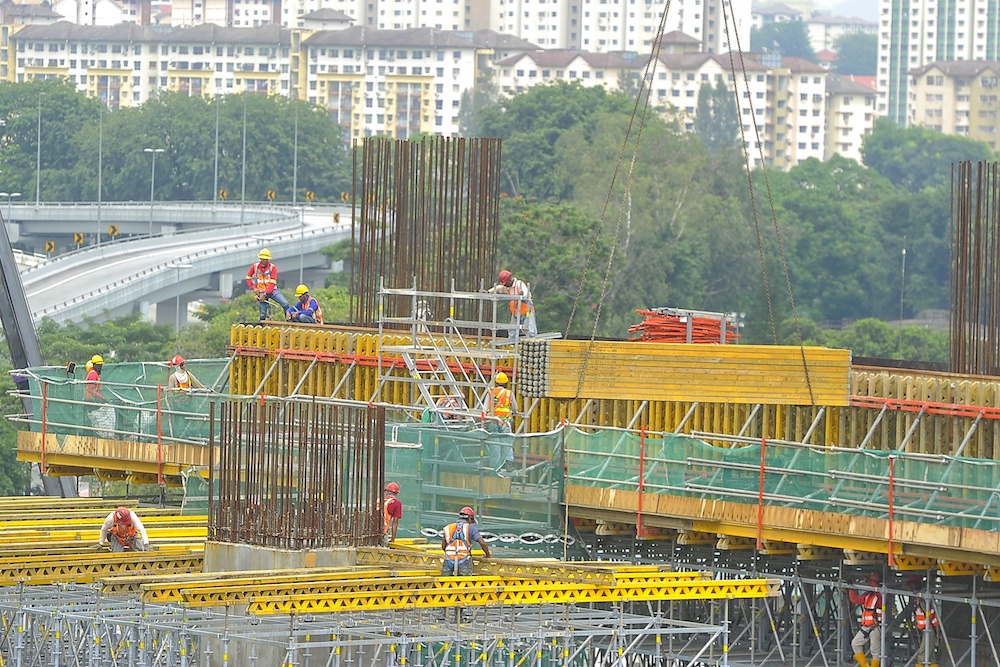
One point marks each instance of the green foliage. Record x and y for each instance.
(547, 245)
(128, 338)
(789, 38)
(916, 157)
(717, 122)
(74, 127)
(531, 124)
(873, 338)
(484, 95)
(857, 53)
(15, 476)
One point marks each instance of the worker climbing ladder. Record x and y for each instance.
(451, 356)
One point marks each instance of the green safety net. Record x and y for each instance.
(925, 489)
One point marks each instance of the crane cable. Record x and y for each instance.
(646, 83)
(726, 16)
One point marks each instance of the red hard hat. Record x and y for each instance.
(177, 360)
(392, 487)
(504, 276)
(875, 578)
(123, 515)
(468, 514)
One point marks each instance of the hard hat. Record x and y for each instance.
(875, 578)
(90, 365)
(392, 487)
(264, 254)
(466, 512)
(97, 359)
(177, 360)
(501, 378)
(300, 290)
(123, 515)
(504, 276)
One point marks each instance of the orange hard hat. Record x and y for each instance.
(467, 513)
(177, 360)
(123, 515)
(392, 487)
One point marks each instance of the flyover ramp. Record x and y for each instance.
(117, 278)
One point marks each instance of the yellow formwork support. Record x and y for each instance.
(83, 568)
(489, 591)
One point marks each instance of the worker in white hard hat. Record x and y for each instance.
(262, 278)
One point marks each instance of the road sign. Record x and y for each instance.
(344, 196)
(336, 217)
(223, 193)
(78, 238)
(113, 230)
(50, 246)
(310, 195)
(271, 194)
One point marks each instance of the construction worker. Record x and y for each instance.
(182, 379)
(392, 512)
(925, 621)
(500, 406)
(306, 309)
(92, 389)
(124, 531)
(438, 414)
(262, 278)
(870, 631)
(522, 311)
(456, 541)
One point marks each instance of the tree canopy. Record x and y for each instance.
(857, 53)
(789, 38)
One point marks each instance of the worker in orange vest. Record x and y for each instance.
(500, 407)
(871, 623)
(262, 278)
(182, 379)
(123, 531)
(522, 310)
(92, 390)
(392, 512)
(925, 621)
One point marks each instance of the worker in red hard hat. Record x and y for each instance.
(392, 512)
(182, 379)
(871, 622)
(123, 531)
(456, 540)
(522, 308)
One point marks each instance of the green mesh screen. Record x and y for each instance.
(943, 490)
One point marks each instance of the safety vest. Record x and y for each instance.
(519, 287)
(458, 542)
(184, 384)
(386, 516)
(124, 533)
(93, 386)
(501, 402)
(313, 304)
(871, 610)
(922, 617)
(264, 277)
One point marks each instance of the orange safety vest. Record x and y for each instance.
(501, 397)
(124, 533)
(871, 612)
(264, 277)
(458, 542)
(922, 617)
(183, 386)
(93, 387)
(525, 304)
(386, 516)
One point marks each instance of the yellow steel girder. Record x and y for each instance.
(489, 591)
(87, 568)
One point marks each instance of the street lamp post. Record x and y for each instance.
(177, 306)
(9, 196)
(38, 154)
(152, 184)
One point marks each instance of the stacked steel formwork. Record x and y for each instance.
(426, 215)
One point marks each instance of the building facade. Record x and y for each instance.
(957, 97)
(850, 114)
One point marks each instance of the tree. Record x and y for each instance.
(485, 94)
(857, 53)
(917, 157)
(789, 38)
(718, 120)
(531, 123)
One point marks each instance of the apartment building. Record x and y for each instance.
(915, 33)
(825, 30)
(957, 97)
(850, 114)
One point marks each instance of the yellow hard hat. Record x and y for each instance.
(97, 359)
(501, 378)
(300, 290)
(264, 254)
(90, 365)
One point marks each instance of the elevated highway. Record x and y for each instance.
(200, 252)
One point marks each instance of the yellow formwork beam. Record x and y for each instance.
(15, 538)
(489, 591)
(83, 568)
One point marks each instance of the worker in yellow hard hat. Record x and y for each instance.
(92, 390)
(306, 309)
(262, 278)
(500, 406)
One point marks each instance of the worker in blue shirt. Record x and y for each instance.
(307, 308)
